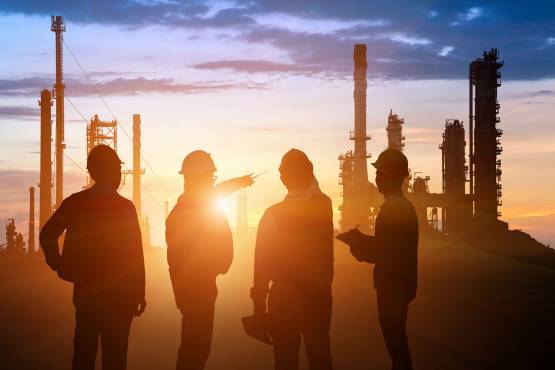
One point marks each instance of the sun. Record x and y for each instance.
(222, 205)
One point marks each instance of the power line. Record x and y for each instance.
(75, 163)
(115, 117)
(77, 110)
(145, 188)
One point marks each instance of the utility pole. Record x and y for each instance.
(242, 230)
(31, 236)
(58, 26)
(137, 172)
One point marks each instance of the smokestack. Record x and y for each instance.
(360, 137)
(58, 27)
(45, 185)
(137, 164)
(357, 191)
(31, 235)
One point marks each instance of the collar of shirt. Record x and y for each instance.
(302, 195)
(103, 189)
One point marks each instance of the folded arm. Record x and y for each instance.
(50, 233)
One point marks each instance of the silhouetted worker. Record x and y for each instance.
(393, 249)
(294, 251)
(200, 247)
(102, 256)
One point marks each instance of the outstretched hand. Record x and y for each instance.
(140, 308)
(246, 180)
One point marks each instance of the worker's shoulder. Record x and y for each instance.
(90, 196)
(76, 198)
(126, 203)
(276, 207)
(398, 205)
(322, 198)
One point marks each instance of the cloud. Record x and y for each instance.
(542, 93)
(317, 38)
(445, 51)
(122, 86)
(252, 66)
(471, 13)
(545, 93)
(405, 39)
(19, 112)
(331, 54)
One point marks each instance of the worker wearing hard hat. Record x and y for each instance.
(294, 255)
(393, 250)
(200, 247)
(102, 256)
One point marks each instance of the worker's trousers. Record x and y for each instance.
(292, 317)
(392, 313)
(196, 328)
(111, 327)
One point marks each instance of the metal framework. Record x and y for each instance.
(101, 132)
(395, 137)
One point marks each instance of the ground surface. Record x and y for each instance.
(473, 311)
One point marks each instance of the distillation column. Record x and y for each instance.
(485, 167)
(457, 213)
(395, 138)
(45, 185)
(58, 26)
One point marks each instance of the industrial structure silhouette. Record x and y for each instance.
(461, 210)
(466, 210)
(471, 183)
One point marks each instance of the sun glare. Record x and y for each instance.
(222, 205)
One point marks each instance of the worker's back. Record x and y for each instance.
(300, 256)
(102, 250)
(200, 244)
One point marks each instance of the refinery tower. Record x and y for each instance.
(357, 190)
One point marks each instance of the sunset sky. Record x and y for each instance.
(248, 80)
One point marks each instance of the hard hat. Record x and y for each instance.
(296, 161)
(197, 162)
(102, 156)
(393, 163)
